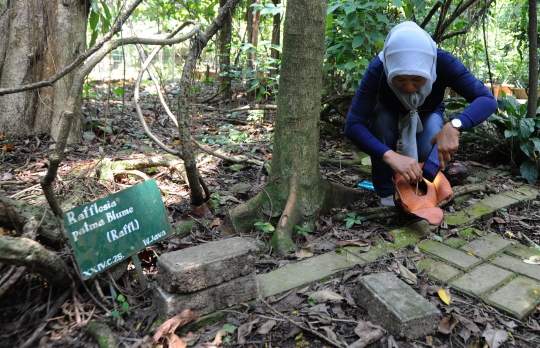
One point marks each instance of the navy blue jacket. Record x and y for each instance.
(374, 88)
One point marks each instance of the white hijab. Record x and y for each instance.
(409, 50)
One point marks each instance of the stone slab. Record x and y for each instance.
(517, 298)
(481, 280)
(521, 251)
(206, 265)
(455, 242)
(510, 198)
(208, 300)
(518, 266)
(438, 270)
(487, 246)
(396, 306)
(310, 271)
(448, 254)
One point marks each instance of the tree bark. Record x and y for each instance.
(31, 254)
(183, 116)
(276, 32)
(39, 39)
(224, 55)
(533, 60)
(296, 193)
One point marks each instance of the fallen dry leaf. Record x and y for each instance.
(406, 275)
(305, 252)
(245, 329)
(325, 296)
(445, 297)
(533, 260)
(219, 336)
(266, 327)
(447, 324)
(169, 327)
(495, 337)
(215, 223)
(355, 242)
(176, 342)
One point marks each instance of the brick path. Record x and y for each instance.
(488, 267)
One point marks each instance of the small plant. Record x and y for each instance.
(124, 308)
(215, 201)
(352, 220)
(266, 227)
(302, 230)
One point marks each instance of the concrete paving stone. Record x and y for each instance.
(208, 300)
(481, 280)
(448, 254)
(523, 193)
(458, 218)
(471, 233)
(438, 270)
(310, 271)
(510, 198)
(487, 246)
(517, 298)
(455, 242)
(410, 234)
(206, 265)
(396, 306)
(468, 215)
(517, 266)
(521, 251)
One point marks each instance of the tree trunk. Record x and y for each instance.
(296, 192)
(224, 55)
(276, 31)
(533, 60)
(39, 39)
(184, 112)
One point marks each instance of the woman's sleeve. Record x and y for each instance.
(361, 111)
(461, 80)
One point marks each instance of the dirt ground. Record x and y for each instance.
(112, 131)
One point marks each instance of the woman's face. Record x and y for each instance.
(408, 83)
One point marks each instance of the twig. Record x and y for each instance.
(52, 311)
(335, 344)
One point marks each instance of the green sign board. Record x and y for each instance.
(111, 229)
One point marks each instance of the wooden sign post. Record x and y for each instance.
(111, 229)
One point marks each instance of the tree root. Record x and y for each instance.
(38, 259)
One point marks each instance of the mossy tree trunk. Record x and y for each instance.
(295, 193)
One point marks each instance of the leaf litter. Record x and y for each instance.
(335, 320)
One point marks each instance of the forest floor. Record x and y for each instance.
(113, 131)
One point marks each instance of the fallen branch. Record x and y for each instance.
(371, 337)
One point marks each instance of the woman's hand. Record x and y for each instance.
(406, 166)
(448, 142)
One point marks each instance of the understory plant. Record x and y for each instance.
(520, 135)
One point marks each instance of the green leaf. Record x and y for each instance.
(121, 298)
(438, 238)
(382, 18)
(396, 3)
(93, 20)
(94, 6)
(349, 223)
(357, 41)
(125, 307)
(529, 171)
(526, 127)
(115, 314)
(230, 328)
